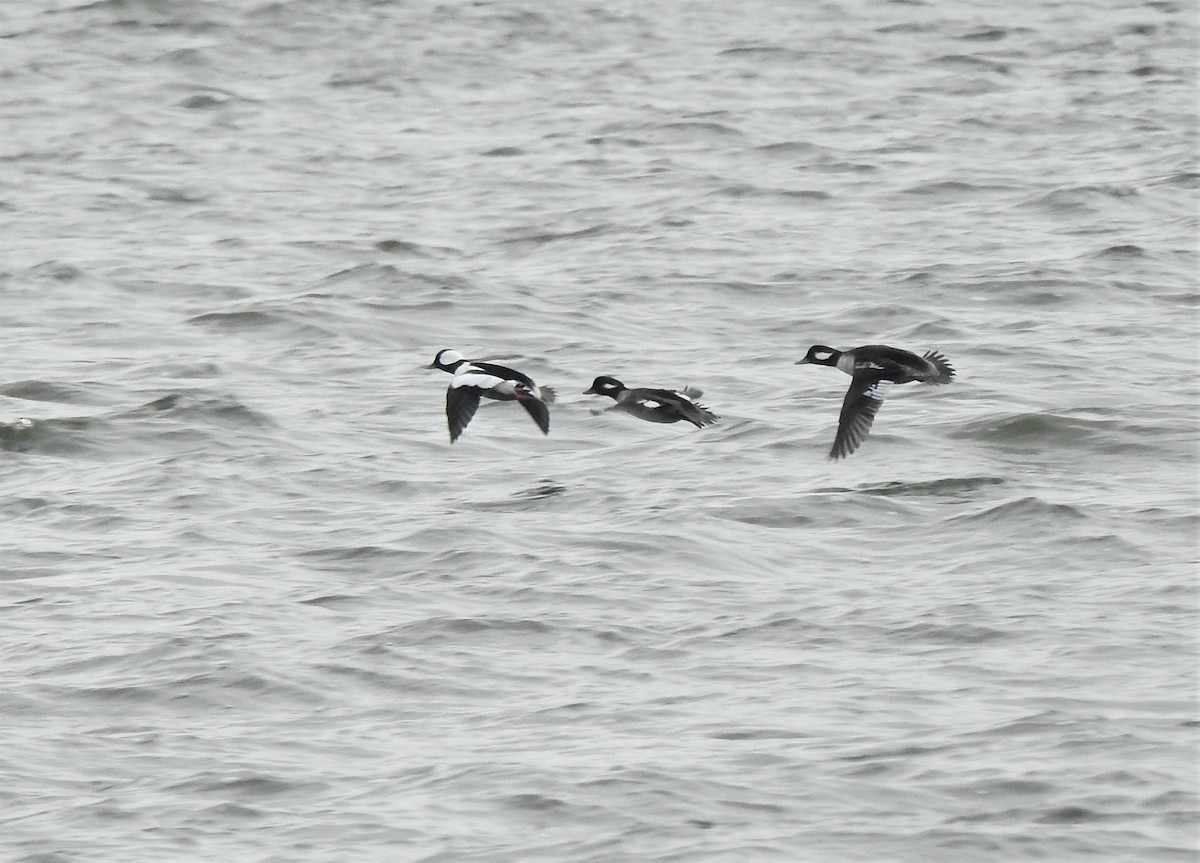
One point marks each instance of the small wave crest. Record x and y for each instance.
(1056, 431)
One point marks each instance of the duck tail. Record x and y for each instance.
(941, 370)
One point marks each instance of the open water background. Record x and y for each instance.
(253, 605)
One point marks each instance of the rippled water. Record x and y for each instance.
(256, 607)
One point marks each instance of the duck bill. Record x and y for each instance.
(803, 362)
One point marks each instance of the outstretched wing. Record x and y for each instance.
(538, 410)
(684, 401)
(500, 373)
(461, 404)
(671, 397)
(700, 416)
(862, 402)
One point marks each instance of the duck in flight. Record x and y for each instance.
(873, 368)
(654, 405)
(474, 379)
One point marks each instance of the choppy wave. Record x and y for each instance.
(248, 583)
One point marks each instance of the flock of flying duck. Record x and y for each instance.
(873, 368)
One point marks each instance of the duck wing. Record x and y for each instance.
(862, 402)
(501, 373)
(700, 416)
(663, 396)
(461, 404)
(685, 402)
(537, 409)
(652, 405)
(665, 406)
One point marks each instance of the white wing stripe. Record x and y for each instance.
(479, 379)
(877, 390)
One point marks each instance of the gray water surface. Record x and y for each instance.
(256, 607)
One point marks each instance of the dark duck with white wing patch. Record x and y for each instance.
(654, 405)
(873, 368)
(474, 379)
